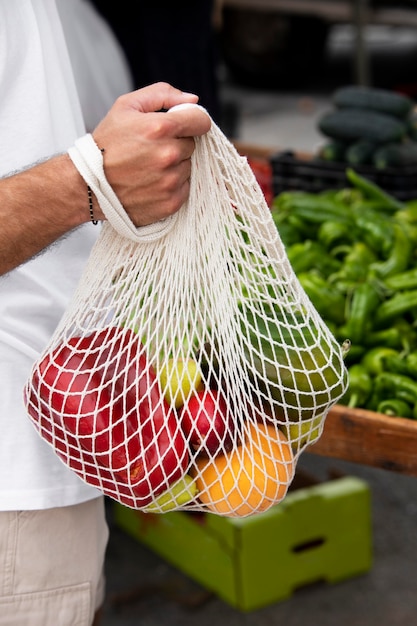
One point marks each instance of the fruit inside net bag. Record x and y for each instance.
(190, 370)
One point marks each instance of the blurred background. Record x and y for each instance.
(240, 54)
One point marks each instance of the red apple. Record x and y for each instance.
(207, 422)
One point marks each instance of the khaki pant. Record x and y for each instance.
(51, 565)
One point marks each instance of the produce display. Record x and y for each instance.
(370, 126)
(354, 253)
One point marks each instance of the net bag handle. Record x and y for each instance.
(88, 159)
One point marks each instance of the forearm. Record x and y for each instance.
(147, 162)
(37, 207)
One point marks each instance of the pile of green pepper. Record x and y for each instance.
(354, 251)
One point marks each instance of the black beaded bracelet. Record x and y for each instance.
(90, 205)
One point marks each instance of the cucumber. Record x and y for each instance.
(412, 126)
(332, 151)
(355, 124)
(360, 152)
(396, 155)
(380, 100)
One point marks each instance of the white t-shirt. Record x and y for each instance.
(92, 47)
(40, 115)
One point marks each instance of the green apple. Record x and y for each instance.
(180, 493)
(179, 379)
(304, 432)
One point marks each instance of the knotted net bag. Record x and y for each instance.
(190, 370)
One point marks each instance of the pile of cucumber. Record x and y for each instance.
(370, 126)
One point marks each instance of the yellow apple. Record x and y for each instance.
(180, 493)
(303, 432)
(179, 379)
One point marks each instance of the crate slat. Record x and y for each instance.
(369, 438)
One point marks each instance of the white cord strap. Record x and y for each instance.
(88, 159)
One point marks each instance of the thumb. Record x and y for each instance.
(159, 96)
(191, 120)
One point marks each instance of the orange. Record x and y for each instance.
(251, 477)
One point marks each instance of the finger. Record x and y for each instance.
(159, 96)
(177, 176)
(185, 171)
(186, 148)
(184, 192)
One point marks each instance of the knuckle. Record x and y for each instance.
(163, 85)
(169, 155)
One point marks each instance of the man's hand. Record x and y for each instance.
(147, 152)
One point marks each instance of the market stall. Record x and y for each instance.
(356, 435)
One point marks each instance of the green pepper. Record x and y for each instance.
(328, 301)
(402, 281)
(372, 191)
(408, 334)
(395, 408)
(312, 207)
(359, 388)
(412, 233)
(397, 305)
(373, 401)
(331, 233)
(375, 230)
(399, 256)
(349, 196)
(411, 360)
(355, 264)
(346, 287)
(305, 230)
(341, 250)
(389, 337)
(408, 217)
(311, 255)
(374, 360)
(402, 364)
(364, 302)
(361, 254)
(391, 385)
(397, 364)
(372, 205)
(408, 213)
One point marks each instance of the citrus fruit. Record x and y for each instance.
(251, 477)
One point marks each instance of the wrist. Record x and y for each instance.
(38, 206)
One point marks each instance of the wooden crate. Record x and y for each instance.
(369, 438)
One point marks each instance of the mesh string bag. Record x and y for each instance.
(190, 370)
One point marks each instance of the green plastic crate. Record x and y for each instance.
(259, 560)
